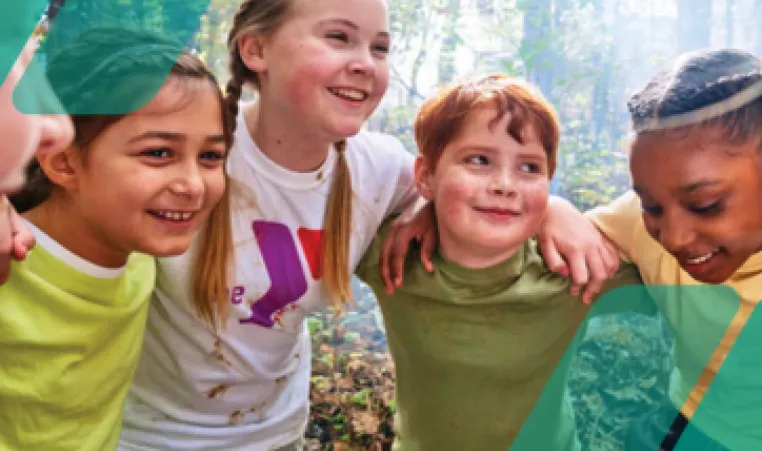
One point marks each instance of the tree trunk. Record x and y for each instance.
(446, 63)
(536, 44)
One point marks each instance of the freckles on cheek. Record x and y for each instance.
(451, 199)
(535, 196)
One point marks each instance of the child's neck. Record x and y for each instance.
(469, 257)
(284, 144)
(61, 222)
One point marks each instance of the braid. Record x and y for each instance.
(338, 228)
(234, 87)
(258, 16)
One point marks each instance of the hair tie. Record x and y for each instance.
(734, 102)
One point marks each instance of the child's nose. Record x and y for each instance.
(674, 233)
(189, 183)
(363, 63)
(502, 183)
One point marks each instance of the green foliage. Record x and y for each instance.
(622, 365)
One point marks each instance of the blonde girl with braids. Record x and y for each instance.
(227, 367)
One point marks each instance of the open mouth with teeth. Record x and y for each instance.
(353, 95)
(174, 216)
(701, 259)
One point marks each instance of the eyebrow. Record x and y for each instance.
(487, 148)
(686, 188)
(699, 184)
(170, 136)
(351, 25)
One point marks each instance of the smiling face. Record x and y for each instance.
(325, 68)
(490, 192)
(149, 181)
(700, 198)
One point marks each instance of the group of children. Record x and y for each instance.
(181, 246)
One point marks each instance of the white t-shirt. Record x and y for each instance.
(247, 388)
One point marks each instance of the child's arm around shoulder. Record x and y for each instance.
(408, 217)
(572, 246)
(394, 165)
(619, 221)
(369, 268)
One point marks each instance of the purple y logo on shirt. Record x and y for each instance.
(287, 279)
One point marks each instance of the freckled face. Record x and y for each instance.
(490, 191)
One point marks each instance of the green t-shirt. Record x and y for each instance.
(69, 345)
(474, 349)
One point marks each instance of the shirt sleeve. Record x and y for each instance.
(369, 269)
(405, 192)
(620, 221)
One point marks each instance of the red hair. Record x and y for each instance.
(441, 118)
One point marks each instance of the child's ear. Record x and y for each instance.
(62, 167)
(423, 176)
(251, 49)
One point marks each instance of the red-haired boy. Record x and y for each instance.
(476, 341)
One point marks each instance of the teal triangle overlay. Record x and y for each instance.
(731, 409)
(18, 18)
(697, 316)
(177, 20)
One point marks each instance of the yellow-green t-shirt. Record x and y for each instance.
(70, 337)
(692, 319)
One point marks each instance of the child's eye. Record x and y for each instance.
(532, 168)
(339, 36)
(156, 153)
(381, 48)
(478, 160)
(213, 155)
(706, 210)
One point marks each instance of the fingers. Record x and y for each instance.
(610, 256)
(385, 262)
(23, 238)
(578, 269)
(598, 275)
(403, 238)
(552, 257)
(6, 240)
(428, 245)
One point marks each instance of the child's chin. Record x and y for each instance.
(167, 248)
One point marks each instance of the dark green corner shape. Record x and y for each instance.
(698, 317)
(18, 19)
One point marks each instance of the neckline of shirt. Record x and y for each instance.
(276, 173)
(509, 269)
(76, 262)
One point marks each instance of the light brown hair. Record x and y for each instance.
(131, 53)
